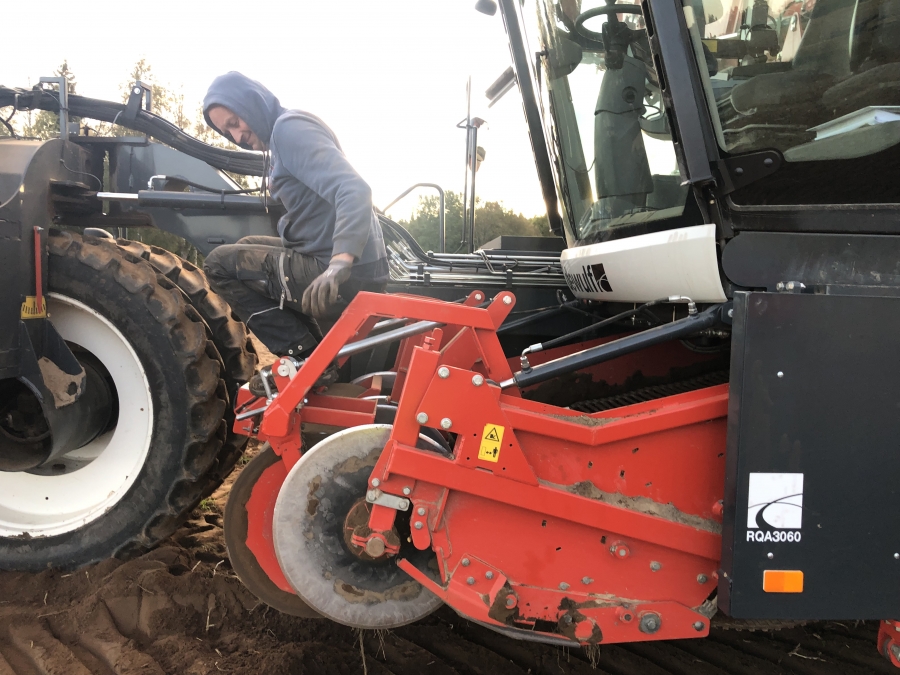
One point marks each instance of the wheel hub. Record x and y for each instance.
(362, 541)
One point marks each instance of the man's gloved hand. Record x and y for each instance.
(322, 293)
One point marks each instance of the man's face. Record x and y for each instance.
(234, 127)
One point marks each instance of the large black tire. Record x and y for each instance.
(229, 334)
(182, 375)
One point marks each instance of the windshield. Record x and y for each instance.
(615, 160)
(818, 80)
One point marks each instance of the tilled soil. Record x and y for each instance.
(180, 610)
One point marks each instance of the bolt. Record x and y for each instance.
(419, 525)
(137, 90)
(567, 618)
(510, 601)
(780, 374)
(477, 380)
(422, 418)
(655, 566)
(443, 372)
(283, 370)
(698, 626)
(470, 580)
(619, 550)
(375, 482)
(406, 490)
(739, 171)
(507, 300)
(478, 296)
(779, 286)
(897, 556)
(731, 313)
(465, 562)
(789, 285)
(488, 575)
(770, 555)
(895, 650)
(702, 579)
(420, 511)
(375, 547)
(563, 586)
(768, 161)
(712, 201)
(650, 623)
(446, 423)
(586, 580)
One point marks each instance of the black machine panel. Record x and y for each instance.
(812, 494)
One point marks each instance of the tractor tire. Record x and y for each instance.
(228, 333)
(131, 486)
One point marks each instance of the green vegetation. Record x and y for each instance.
(491, 220)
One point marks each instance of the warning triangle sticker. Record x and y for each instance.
(492, 435)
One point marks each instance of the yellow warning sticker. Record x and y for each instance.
(491, 438)
(30, 309)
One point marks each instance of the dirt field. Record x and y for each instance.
(180, 610)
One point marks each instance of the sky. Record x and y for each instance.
(388, 76)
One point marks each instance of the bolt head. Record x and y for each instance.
(789, 285)
(470, 580)
(283, 370)
(422, 418)
(731, 313)
(698, 626)
(446, 423)
(420, 511)
(770, 555)
(702, 579)
(477, 379)
(443, 372)
(478, 296)
(375, 547)
(419, 525)
(567, 618)
(655, 566)
(768, 161)
(897, 556)
(510, 601)
(586, 580)
(779, 286)
(563, 586)
(465, 562)
(375, 482)
(488, 575)
(406, 490)
(780, 374)
(649, 623)
(507, 300)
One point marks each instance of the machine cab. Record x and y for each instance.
(672, 127)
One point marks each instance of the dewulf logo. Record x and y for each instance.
(591, 279)
(775, 507)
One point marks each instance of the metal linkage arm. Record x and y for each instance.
(605, 352)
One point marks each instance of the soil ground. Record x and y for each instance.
(180, 610)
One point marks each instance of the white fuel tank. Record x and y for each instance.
(647, 267)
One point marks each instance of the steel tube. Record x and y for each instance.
(606, 352)
(188, 200)
(390, 336)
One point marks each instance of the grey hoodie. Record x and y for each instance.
(328, 205)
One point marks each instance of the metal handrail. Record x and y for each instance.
(441, 232)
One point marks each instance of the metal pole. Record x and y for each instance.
(63, 103)
(390, 336)
(442, 233)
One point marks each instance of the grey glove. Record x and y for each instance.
(322, 293)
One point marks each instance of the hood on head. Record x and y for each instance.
(248, 99)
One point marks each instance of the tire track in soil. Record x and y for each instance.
(181, 610)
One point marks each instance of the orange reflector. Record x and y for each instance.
(783, 581)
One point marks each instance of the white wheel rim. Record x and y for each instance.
(48, 505)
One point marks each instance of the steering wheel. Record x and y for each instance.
(600, 11)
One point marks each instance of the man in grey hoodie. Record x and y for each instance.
(330, 246)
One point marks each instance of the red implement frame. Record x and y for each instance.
(592, 528)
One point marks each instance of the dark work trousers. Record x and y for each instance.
(264, 282)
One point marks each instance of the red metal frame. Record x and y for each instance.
(606, 525)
